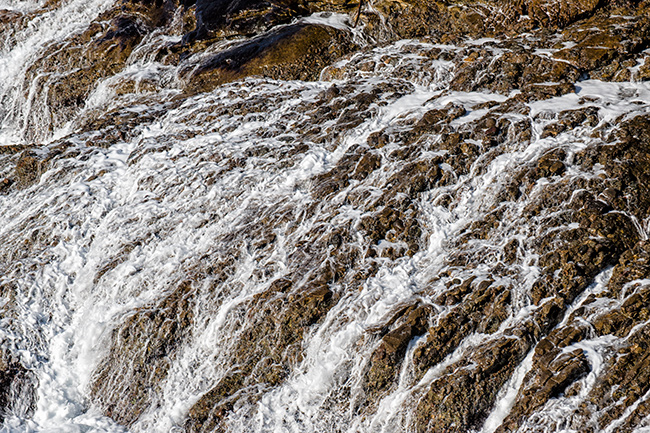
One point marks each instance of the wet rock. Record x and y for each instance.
(28, 169)
(417, 176)
(562, 12)
(266, 351)
(461, 398)
(604, 235)
(387, 358)
(390, 225)
(604, 53)
(567, 120)
(450, 21)
(5, 184)
(627, 163)
(295, 52)
(624, 382)
(10, 23)
(633, 265)
(572, 229)
(356, 164)
(17, 387)
(216, 18)
(539, 76)
(126, 382)
(643, 73)
(477, 306)
(66, 73)
(556, 367)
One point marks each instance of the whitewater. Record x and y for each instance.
(110, 231)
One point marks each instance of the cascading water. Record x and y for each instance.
(22, 48)
(352, 254)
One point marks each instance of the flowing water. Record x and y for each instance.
(110, 231)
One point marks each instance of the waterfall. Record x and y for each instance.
(385, 248)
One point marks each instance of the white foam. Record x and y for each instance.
(121, 231)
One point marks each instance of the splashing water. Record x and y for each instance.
(108, 232)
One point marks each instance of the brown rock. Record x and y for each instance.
(17, 387)
(483, 309)
(28, 170)
(460, 399)
(139, 359)
(265, 352)
(296, 52)
(560, 13)
(387, 358)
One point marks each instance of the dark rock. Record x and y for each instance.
(478, 306)
(387, 358)
(69, 70)
(293, 52)
(28, 169)
(604, 52)
(265, 352)
(461, 398)
(395, 222)
(515, 70)
(244, 17)
(141, 349)
(5, 184)
(562, 12)
(17, 387)
(553, 371)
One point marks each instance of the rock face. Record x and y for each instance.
(447, 234)
(148, 339)
(245, 17)
(17, 389)
(561, 13)
(67, 72)
(294, 52)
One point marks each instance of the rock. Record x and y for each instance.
(69, 70)
(28, 169)
(572, 228)
(386, 359)
(562, 12)
(10, 23)
(5, 184)
(356, 164)
(643, 73)
(129, 377)
(555, 368)
(295, 52)
(451, 21)
(17, 387)
(215, 18)
(634, 264)
(395, 222)
(481, 306)
(515, 70)
(627, 164)
(265, 352)
(570, 119)
(623, 383)
(461, 398)
(605, 53)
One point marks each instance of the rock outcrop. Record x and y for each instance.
(514, 201)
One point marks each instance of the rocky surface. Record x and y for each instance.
(475, 169)
(294, 52)
(17, 388)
